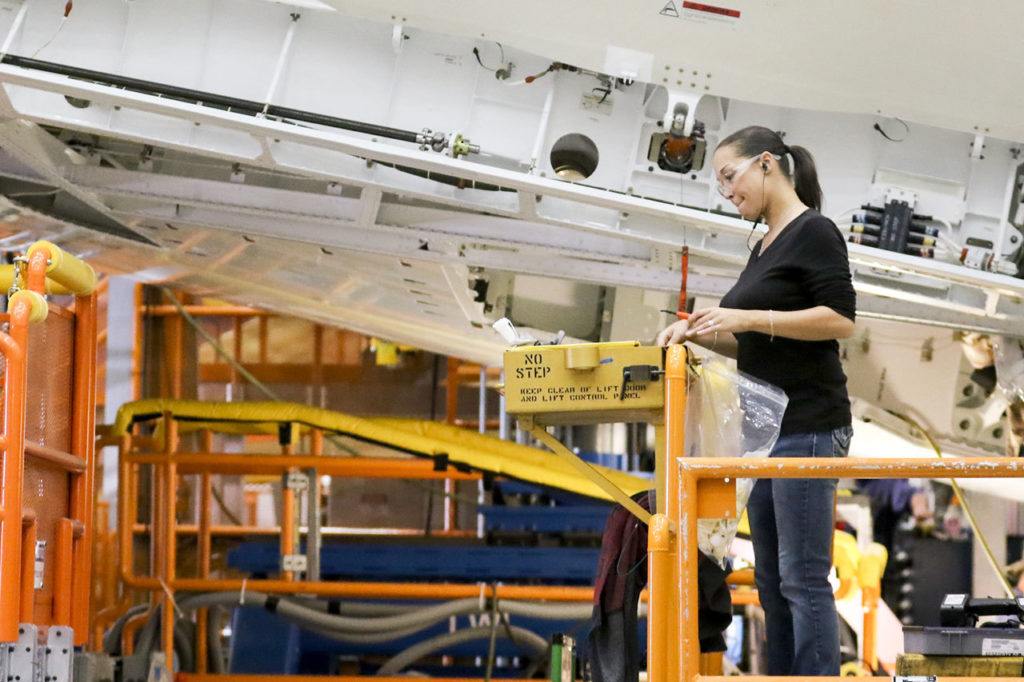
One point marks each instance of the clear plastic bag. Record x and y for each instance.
(1009, 356)
(729, 414)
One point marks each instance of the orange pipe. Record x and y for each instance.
(62, 573)
(744, 598)
(264, 336)
(28, 571)
(63, 460)
(83, 441)
(451, 391)
(139, 344)
(355, 467)
(177, 350)
(12, 346)
(287, 528)
(692, 470)
(168, 310)
(689, 655)
(769, 678)
(126, 516)
(665, 611)
(852, 467)
(239, 531)
(205, 550)
(379, 590)
(38, 262)
(170, 480)
(743, 576)
(128, 632)
(869, 600)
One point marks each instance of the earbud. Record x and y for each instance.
(764, 166)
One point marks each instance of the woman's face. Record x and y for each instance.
(740, 180)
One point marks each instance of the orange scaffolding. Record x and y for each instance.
(46, 492)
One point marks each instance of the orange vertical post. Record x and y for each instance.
(140, 340)
(451, 403)
(169, 535)
(12, 346)
(689, 641)
(663, 632)
(62, 573)
(83, 444)
(318, 365)
(176, 349)
(264, 333)
(205, 551)
(287, 519)
(28, 569)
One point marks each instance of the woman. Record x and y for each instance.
(780, 321)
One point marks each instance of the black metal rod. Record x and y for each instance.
(234, 104)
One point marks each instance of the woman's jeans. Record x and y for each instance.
(791, 526)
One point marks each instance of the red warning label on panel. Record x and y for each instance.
(711, 9)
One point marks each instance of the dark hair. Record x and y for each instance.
(754, 140)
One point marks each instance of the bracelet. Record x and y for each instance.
(771, 325)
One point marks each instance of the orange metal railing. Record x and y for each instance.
(68, 475)
(706, 489)
(12, 347)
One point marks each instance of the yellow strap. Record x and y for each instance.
(590, 473)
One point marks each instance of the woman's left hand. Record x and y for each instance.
(713, 320)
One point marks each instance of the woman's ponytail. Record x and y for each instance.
(805, 177)
(754, 140)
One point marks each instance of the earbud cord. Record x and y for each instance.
(764, 176)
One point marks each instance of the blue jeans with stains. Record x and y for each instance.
(791, 525)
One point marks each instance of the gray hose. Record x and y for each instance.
(183, 647)
(295, 610)
(357, 638)
(347, 608)
(423, 617)
(215, 652)
(420, 618)
(112, 637)
(520, 636)
(362, 630)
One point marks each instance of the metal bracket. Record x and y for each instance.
(40, 564)
(294, 562)
(297, 481)
(60, 654)
(5, 660)
(25, 663)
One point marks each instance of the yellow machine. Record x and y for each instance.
(616, 382)
(587, 383)
(584, 383)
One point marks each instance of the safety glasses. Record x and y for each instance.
(729, 178)
(725, 183)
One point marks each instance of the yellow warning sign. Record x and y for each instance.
(584, 383)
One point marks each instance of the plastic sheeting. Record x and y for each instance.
(1009, 357)
(729, 414)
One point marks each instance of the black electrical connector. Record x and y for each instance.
(638, 374)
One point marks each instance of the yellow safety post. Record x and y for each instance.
(9, 272)
(36, 302)
(71, 272)
(869, 575)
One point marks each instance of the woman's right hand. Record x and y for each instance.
(674, 333)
